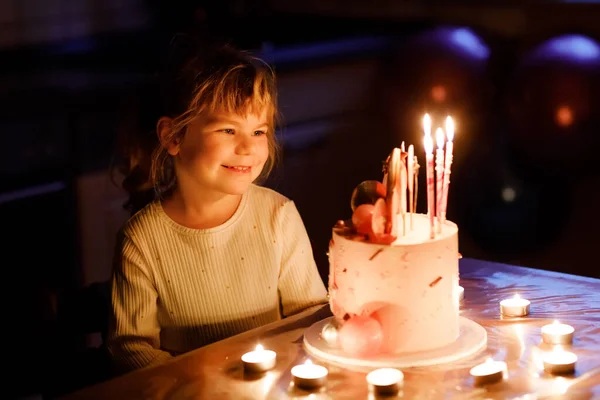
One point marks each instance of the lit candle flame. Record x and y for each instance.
(308, 362)
(450, 128)
(516, 296)
(439, 137)
(556, 322)
(427, 125)
(428, 143)
(259, 348)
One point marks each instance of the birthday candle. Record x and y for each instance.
(448, 164)
(428, 144)
(416, 168)
(439, 175)
(403, 184)
(411, 182)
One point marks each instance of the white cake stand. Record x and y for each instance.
(472, 337)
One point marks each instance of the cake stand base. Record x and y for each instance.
(472, 337)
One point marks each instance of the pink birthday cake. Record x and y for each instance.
(393, 279)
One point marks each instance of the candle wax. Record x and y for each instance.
(488, 372)
(559, 362)
(515, 307)
(259, 360)
(385, 380)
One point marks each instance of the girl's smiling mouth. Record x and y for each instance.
(238, 168)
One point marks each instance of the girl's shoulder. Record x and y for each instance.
(264, 200)
(267, 197)
(142, 220)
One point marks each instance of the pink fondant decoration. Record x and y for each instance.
(362, 218)
(360, 336)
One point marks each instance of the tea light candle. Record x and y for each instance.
(557, 333)
(309, 376)
(385, 381)
(461, 293)
(488, 372)
(559, 362)
(515, 307)
(259, 360)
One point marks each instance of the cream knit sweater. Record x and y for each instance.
(175, 289)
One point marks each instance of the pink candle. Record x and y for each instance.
(449, 149)
(439, 174)
(411, 181)
(416, 168)
(428, 144)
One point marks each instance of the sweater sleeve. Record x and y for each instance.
(133, 337)
(300, 285)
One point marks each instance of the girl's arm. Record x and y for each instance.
(300, 285)
(133, 339)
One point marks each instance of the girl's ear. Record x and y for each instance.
(164, 129)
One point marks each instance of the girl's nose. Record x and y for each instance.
(245, 145)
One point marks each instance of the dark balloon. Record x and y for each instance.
(441, 71)
(553, 106)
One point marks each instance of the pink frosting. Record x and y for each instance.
(410, 287)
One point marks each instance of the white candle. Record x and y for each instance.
(259, 360)
(488, 372)
(559, 362)
(557, 333)
(515, 307)
(439, 175)
(385, 381)
(448, 165)
(403, 187)
(309, 376)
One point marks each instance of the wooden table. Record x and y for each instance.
(215, 371)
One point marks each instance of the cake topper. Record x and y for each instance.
(392, 184)
(378, 206)
(367, 192)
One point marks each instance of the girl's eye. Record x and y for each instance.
(228, 131)
(259, 133)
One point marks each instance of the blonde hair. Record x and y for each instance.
(217, 80)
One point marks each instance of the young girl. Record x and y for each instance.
(213, 254)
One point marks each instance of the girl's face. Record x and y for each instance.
(222, 153)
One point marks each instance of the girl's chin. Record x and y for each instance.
(236, 188)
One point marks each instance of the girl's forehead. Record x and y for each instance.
(228, 116)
